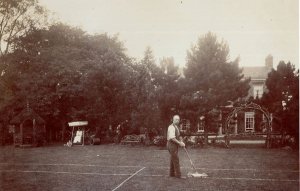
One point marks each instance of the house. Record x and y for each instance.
(258, 75)
(252, 120)
(249, 120)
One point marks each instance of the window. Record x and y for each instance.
(258, 90)
(185, 125)
(200, 128)
(249, 121)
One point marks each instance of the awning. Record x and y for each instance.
(78, 123)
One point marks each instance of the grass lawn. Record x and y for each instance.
(125, 167)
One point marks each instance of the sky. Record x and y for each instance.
(252, 29)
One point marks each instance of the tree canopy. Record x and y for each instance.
(211, 79)
(17, 18)
(282, 97)
(66, 74)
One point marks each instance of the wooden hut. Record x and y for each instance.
(28, 128)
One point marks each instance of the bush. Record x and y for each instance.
(160, 141)
(194, 140)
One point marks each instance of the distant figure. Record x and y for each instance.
(110, 134)
(173, 138)
(121, 131)
(118, 134)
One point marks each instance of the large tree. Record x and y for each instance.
(107, 81)
(45, 70)
(144, 92)
(282, 98)
(66, 74)
(170, 91)
(211, 80)
(17, 18)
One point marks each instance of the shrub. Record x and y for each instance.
(160, 141)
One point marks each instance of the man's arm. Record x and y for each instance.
(178, 142)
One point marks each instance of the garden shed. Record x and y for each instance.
(28, 128)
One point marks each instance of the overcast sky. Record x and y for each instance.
(252, 28)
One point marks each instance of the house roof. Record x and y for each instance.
(27, 113)
(256, 72)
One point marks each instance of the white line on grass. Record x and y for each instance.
(255, 179)
(158, 167)
(233, 169)
(128, 178)
(145, 175)
(229, 178)
(63, 172)
(65, 164)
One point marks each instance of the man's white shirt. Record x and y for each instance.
(171, 132)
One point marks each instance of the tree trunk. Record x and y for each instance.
(63, 132)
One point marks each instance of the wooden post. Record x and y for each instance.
(226, 137)
(83, 136)
(269, 135)
(205, 131)
(34, 131)
(220, 129)
(44, 135)
(235, 124)
(72, 135)
(63, 130)
(21, 133)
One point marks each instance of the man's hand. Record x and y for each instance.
(181, 144)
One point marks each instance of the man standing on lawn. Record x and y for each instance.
(172, 145)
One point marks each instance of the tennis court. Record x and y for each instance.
(125, 167)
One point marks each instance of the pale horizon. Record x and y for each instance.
(252, 29)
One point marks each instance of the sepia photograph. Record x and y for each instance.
(154, 95)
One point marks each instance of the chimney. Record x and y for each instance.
(269, 61)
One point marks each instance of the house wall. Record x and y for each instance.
(241, 122)
(256, 82)
(258, 118)
(258, 76)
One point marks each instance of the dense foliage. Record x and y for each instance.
(282, 99)
(66, 74)
(211, 80)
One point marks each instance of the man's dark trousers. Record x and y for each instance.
(174, 159)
